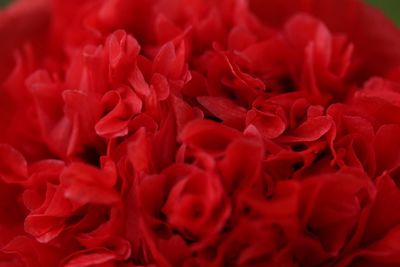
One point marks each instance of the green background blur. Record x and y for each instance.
(390, 7)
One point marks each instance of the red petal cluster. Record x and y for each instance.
(199, 133)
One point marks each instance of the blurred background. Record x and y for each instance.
(390, 7)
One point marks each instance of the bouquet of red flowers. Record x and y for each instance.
(199, 133)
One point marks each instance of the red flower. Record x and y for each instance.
(199, 133)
